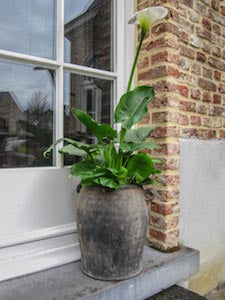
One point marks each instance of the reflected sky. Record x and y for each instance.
(28, 26)
(74, 7)
(24, 81)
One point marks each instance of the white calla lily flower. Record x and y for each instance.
(148, 16)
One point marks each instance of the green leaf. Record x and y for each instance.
(83, 169)
(107, 182)
(133, 106)
(147, 181)
(156, 160)
(140, 166)
(130, 147)
(100, 131)
(138, 135)
(72, 150)
(86, 147)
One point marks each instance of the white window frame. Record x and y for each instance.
(19, 253)
(59, 66)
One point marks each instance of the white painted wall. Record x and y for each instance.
(202, 205)
(202, 195)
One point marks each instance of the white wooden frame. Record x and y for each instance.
(43, 248)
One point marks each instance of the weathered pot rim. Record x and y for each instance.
(122, 187)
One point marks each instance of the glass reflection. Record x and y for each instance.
(26, 115)
(28, 27)
(88, 36)
(92, 96)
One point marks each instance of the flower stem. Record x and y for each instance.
(143, 33)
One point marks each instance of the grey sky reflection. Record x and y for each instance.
(28, 27)
(24, 81)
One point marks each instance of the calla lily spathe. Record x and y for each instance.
(148, 16)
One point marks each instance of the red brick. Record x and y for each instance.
(187, 132)
(188, 52)
(223, 10)
(216, 99)
(218, 64)
(188, 3)
(165, 27)
(215, 4)
(216, 110)
(186, 25)
(207, 85)
(187, 106)
(195, 120)
(165, 85)
(161, 43)
(201, 109)
(168, 180)
(181, 89)
(168, 149)
(207, 73)
(217, 51)
(168, 237)
(183, 120)
(206, 24)
(195, 94)
(216, 29)
(163, 208)
(164, 56)
(143, 62)
(206, 97)
(201, 57)
(205, 34)
(222, 87)
(217, 75)
(170, 131)
(164, 223)
(183, 36)
(164, 195)
(206, 134)
(173, 14)
(196, 68)
(222, 134)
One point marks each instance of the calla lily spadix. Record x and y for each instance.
(148, 16)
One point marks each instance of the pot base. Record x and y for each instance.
(113, 278)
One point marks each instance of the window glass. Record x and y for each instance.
(88, 33)
(94, 96)
(28, 27)
(26, 115)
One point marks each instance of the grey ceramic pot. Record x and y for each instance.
(112, 227)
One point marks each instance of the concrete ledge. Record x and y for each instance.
(68, 282)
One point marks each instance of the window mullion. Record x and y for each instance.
(59, 109)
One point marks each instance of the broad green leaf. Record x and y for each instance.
(79, 145)
(83, 169)
(110, 155)
(130, 147)
(72, 150)
(100, 131)
(140, 166)
(107, 182)
(133, 106)
(138, 135)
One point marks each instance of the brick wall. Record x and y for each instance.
(184, 58)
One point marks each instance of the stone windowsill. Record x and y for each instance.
(68, 282)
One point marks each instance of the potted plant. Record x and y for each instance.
(112, 214)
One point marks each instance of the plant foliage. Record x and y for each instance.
(114, 160)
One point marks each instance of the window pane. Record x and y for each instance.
(94, 96)
(26, 115)
(28, 27)
(88, 33)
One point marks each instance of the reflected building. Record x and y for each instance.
(88, 43)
